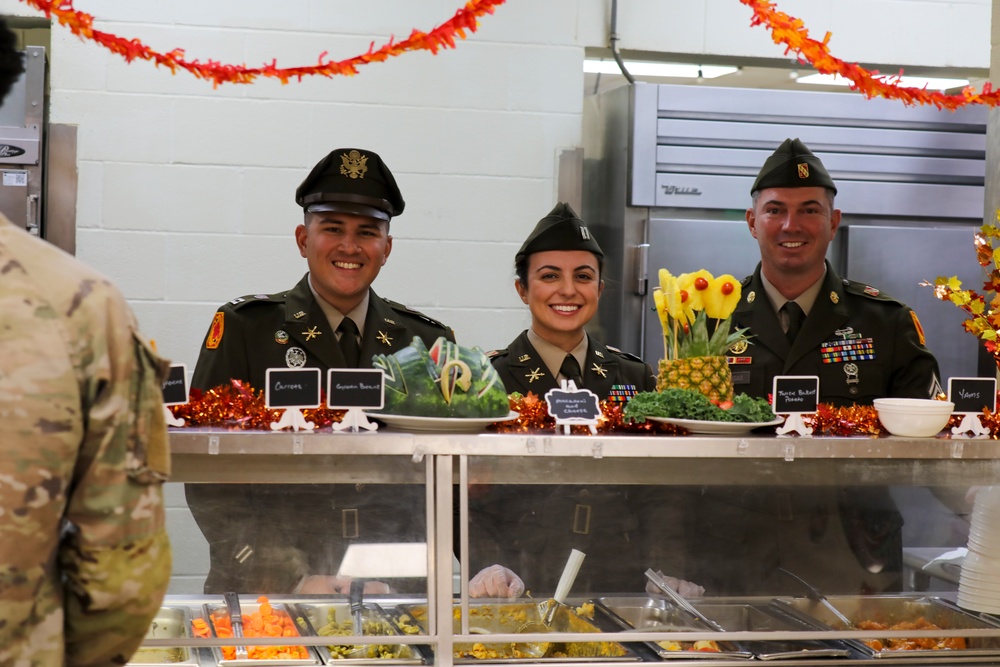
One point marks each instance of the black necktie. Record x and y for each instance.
(349, 342)
(570, 370)
(795, 318)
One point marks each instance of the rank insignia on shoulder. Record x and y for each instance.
(262, 297)
(871, 291)
(495, 353)
(215, 333)
(237, 300)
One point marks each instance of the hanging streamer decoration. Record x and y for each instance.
(793, 34)
(442, 37)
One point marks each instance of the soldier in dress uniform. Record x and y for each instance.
(84, 554)
(275, 538)
(531, 529)
(804, 319)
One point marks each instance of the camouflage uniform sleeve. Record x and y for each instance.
(115, 554)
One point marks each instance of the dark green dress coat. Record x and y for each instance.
(264, 537)
(845, 312)
(531, 528)
(842, 539)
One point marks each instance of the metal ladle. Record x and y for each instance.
(813, 594)
(547, 610)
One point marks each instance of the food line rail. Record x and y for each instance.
(213, 455)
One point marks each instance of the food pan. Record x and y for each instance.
(504, 617)
(169, 623)
(895, 610)
(333, 619)
(217, 613)
(658, 614)
(757, 616)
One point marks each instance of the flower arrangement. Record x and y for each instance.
(984, 311)
(695, 310)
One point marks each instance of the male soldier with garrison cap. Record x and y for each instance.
(268, 538)
(804, 319)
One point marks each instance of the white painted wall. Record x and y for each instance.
(186, 192)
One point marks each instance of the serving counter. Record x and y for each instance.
(454, 472)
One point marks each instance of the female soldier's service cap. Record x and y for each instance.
(351, 180)
(793, 165)
(561, 229)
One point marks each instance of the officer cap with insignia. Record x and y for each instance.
(561, 229)
(351, 180)
(793, 165)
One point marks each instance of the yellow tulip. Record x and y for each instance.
(678, 301)
(661, 308)
(722, 297)
(696, 285)
(665, 278)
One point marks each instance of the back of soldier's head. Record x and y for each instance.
(11, 60)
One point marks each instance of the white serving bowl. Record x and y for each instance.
(913, 417)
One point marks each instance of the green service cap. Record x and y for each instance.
(793, 165)
(561, 229)
(351, 180)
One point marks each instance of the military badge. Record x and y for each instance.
(262, 297)
(353, 164)
(871, 291)
(847, 350)
(834, 297)
(388, 321)
(919, 328)
(295, 357)
(384, 338)
(803, 168)
(215, 333)
(599, 369)
(535, 375)
(739, 347)
(620, 393)
(851, 371)
(751, 297)
(599, 353)
(524, 357)
(281, 337)
(311, 333)
(237, 300)
(299, 315)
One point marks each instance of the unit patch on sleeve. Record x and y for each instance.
(215, 334)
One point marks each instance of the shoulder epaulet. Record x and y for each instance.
(863, 289)
(493, 354)
(627, 355)
(746, 281)
(242, 301)
(398, 307)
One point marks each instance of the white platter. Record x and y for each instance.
(716, 428)
(440, 424)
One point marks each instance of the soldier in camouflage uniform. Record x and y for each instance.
(84, 555)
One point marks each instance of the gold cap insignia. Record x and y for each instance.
(353, 164)
(803, 170)
(834, 297)
(751, 297)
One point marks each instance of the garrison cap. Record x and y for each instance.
(351, 180)
(793, 165)
(561, 229)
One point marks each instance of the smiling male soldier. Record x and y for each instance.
(272, 538)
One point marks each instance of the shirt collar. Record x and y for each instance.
(334, 316)
(806, 300)
(552, 355)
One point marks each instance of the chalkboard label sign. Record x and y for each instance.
(795, 394)
(971, 395)
(581, 405)
(292, 388)
(175, 389)
(355, 388)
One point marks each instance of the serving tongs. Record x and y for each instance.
(236, 621)
(356, 598)
(547, 609)
(681, 601)
(813, 594)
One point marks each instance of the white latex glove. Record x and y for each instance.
(320, 583)
(496, 581)
(687, 589)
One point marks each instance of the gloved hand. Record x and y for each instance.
(496, 581)
(320, 583)
(687, 589)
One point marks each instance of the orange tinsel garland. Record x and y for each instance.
(442, 37)
(792, 33)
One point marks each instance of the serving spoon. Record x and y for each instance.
(547, 609)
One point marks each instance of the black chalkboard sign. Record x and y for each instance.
(175, 389)
(580, 405)
(292, 388)
(971, 395)
(795, 393)
(355, 388)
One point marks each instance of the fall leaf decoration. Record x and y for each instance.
(793, 34)
(442, 37)
(983, 310)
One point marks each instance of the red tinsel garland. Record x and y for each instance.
(442, 37)
(239, 406)
(793, 34)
